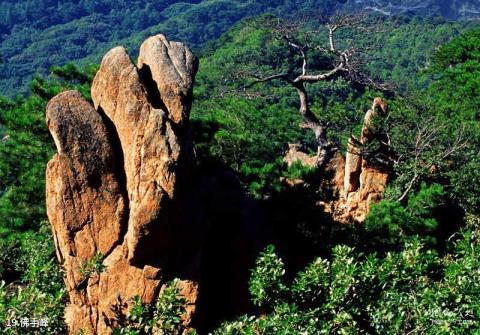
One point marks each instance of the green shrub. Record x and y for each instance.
(168, 310)
(93, 265)
(137, 321)
(266, 283)
(40, 292)
(163, 318)
(412, 291)
(389, 223)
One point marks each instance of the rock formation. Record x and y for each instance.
(295, 154)
(364, 183)
(116, 188)
(353, 180)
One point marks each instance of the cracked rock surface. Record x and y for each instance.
(115, 187)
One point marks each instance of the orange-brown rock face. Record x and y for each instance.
(363, 183)
(116, 185)
(355, 203)
(294, 154)
(353, 184)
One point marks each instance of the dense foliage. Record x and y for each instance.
(38, 34)
(35, 35)
(164, 317)
(413, 291)
(39, 290)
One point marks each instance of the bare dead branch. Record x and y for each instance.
(347, 62)
(319, 77)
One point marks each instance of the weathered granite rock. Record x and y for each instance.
(294, 155)
(363, 183)
(352, 182)
(353, 167)
(145, 107)
(115, 187)
(171, 74)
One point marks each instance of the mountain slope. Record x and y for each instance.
(450, 9)
(38, 34)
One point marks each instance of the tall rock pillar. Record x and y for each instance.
(116, 187)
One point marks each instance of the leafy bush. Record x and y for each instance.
(266, 282)
(389, 223)
(93, 265)
(168, 310)
(40, 291)
(386, 221)
(466, 181)
(163, 318)
(409, 291)
(138, 320)
(9, 253)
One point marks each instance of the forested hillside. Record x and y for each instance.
(69, 31)
(452, 9)
(35, 35)
(412, 267)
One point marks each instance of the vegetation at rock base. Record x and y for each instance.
(162, 318)
(413, 291)
(413, 267)
(39, 291)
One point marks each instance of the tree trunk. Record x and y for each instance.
(313, 123)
